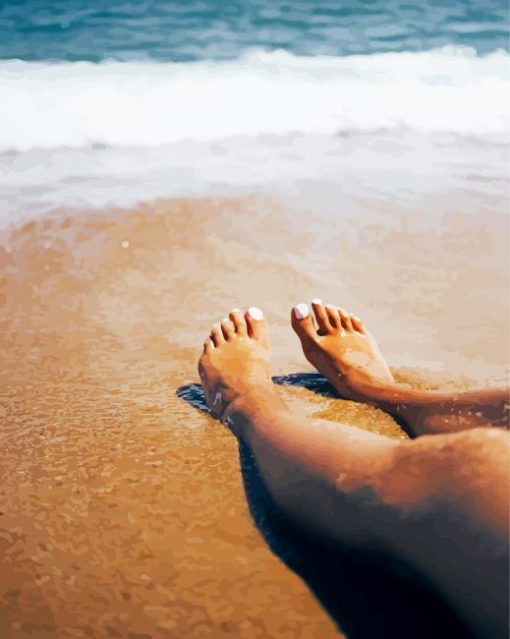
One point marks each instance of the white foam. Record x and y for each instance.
(128, 104)
(389, 166)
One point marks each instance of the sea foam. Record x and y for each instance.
(147, 104)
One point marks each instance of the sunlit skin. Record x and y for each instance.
(439, 503)
(344, 351)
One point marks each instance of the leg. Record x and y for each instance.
(348, 356)
(439, 503)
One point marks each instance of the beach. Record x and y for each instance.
(123, 510)
(163, 163)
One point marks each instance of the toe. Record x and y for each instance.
(217, 335)
(333, 317)
(346, 320)
(237, 319)
(321, 317)
(357, 324)
(302, 323)
(257, 325)
(208, 345)
(228, 329)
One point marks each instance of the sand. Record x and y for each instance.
(124, 510)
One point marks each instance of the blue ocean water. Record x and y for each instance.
(173, 30)
(112, 102)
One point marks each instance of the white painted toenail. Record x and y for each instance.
(316, 301)
(225, 319)
(301, 311)
(255, 313)
(343, 333)
(331, 307)
(235, 310)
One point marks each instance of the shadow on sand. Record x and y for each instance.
(366, 599)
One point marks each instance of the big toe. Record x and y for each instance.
(257, 325)
(302, 322)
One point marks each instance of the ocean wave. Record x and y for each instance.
(147, 104)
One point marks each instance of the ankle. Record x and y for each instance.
(251, 406)
(391, 397)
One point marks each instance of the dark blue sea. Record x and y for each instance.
(185, 31)
(112, 102)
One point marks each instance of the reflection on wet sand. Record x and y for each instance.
(125, 511)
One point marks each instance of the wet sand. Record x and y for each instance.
(123, 506)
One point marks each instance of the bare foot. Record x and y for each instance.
(347, 355)
(235, 359)
(339, 347)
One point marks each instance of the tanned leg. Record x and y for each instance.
(438, 503)
(344, 351)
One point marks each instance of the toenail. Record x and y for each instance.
(301, 311)
(343, 333)
(331, 307)
(225, 319)
(255, 313)
(235, 310)
(316, 301)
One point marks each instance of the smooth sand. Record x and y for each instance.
(123, 511)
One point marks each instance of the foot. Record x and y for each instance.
(348, 356)
(235, 359)
(340, 348)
